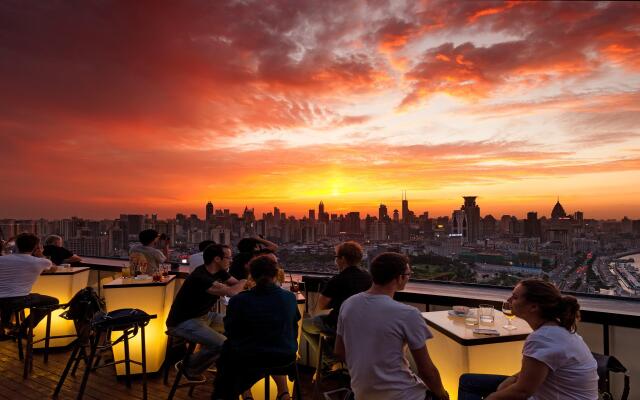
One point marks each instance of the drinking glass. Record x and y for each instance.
(472, 317)
(126, 272)
(507, 310)
(486, 314)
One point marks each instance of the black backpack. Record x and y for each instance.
(607, 364)
(81, 309)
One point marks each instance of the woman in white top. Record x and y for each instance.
(556, 362)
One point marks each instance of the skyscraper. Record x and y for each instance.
(383, 213)
(472, 213)
(209, 211)
(321, 211)
(532, 225)
(312, 214)
(405, 208)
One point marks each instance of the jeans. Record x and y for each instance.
(201, 330)
(12, 304)
(478, 386)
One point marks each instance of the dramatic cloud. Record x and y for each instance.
(160, 105)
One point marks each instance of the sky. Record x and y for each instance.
(110, 107)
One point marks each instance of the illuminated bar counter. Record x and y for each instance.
(456, 350)
(61, 284)
(152, 298)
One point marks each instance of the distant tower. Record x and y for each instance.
(382, 213)
(558, 211)
(472, 213)
(312, 214)
(321, 211)
(405, 208)
(209, 211)
(396, 216)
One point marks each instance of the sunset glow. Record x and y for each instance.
(145, 107)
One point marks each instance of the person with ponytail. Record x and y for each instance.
(556, 362)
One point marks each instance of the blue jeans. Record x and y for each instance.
(478, 386)
(203, 331)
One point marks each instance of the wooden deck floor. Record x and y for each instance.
(102, 384)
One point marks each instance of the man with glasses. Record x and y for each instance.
(373, 333)
(191, 317)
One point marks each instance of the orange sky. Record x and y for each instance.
(142, 107)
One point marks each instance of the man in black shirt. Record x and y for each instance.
(350, 280)
(56, 253)
(191, 317)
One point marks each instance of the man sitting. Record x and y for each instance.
(262, 327)
(196, 259)
(191, 317)
(56, 253)
(145, 257)
(350, 280)
(18, 273)
(373, 333)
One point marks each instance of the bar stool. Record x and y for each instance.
(191, 346)
(129, 321)
(27, 354)
(323, 342)
(291, 370)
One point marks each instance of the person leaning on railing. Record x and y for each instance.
(54, 251)
(556, 362)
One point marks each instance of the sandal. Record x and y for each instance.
(281, 395)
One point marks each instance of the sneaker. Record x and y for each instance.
(190, 378)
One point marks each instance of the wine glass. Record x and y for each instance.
(507, 310)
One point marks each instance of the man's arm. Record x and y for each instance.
(339, 350)
(322, 303)
(428, 372)
(267, 244)
(230, 287)
(73, 258)
(532, 375)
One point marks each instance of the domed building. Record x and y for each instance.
(558, 211)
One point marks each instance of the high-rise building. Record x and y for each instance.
(276, 214)
(209, 211)
(312, 215)
(383, 213)
(396, 216)
(321, 212)
(532, 225)
(472, 212)
(405, 209)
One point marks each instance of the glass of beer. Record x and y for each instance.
(507, 310)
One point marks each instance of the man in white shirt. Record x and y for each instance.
(18, 273)
(196, 259)
(373, 333)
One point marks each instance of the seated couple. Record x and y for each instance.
(259, 322)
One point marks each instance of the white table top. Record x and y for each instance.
(455, 328)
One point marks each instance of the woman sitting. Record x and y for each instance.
(261, 325)
(556, 362)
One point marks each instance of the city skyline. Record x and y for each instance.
(211, 207)
(136, 107)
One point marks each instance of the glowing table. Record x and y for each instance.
(152, 298)
(456, 350)
(61, 284)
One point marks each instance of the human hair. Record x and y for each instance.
(204, 244)
(27, 242)
(387, 267)
(213, 251)
(351, 251)
(248, 245)
(553, 305)
(147, 236)
(52, 240)
(263, 269)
